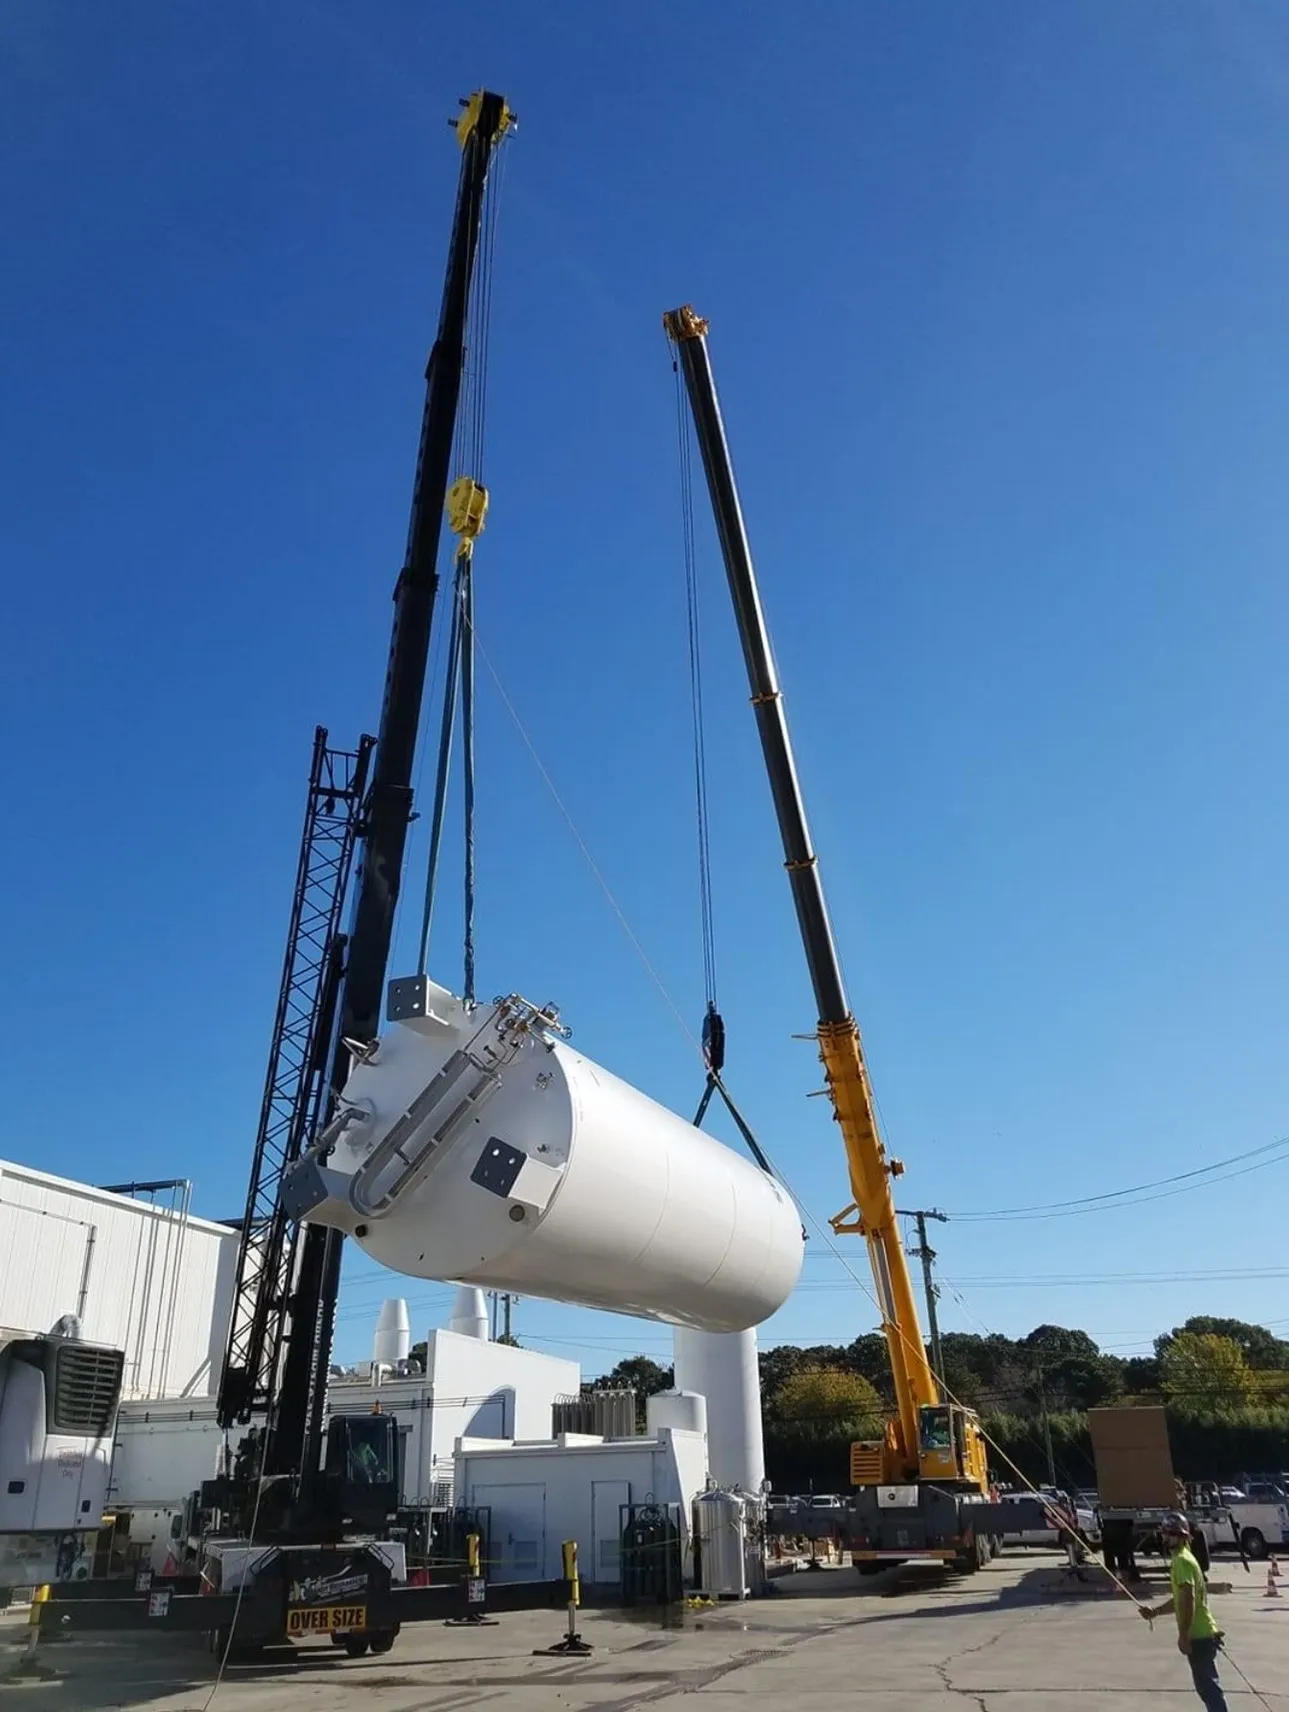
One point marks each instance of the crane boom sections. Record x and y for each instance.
(840, 1047)
(296, 1436)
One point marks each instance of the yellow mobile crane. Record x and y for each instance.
(923, 1488)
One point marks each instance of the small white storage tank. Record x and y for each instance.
(684, 1409)
(724, 1368)
(393, 1340)
(474, 1144)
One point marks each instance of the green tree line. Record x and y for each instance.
(1225, 1383)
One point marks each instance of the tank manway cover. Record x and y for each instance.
(499, 1166)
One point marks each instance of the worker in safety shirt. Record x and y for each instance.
(1198, 1636)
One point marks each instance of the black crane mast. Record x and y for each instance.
(286, 1371)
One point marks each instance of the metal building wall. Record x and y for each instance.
(144, 1278)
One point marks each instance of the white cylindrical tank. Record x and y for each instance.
(469, 1314)
(721, 1525)
(684, 1409)
(723, 1367)
(473, 1144)
(393, 1340)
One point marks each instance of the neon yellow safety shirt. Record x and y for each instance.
(1184, 1571)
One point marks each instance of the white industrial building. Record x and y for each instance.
(471, 1388)
(579, 1486)
(144, 1276)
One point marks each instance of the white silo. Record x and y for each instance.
(722, 1366)
(393, 1340)
(469, 1314)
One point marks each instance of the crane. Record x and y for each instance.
(300, 1479)
(932, 1451)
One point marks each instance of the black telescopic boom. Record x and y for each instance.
(689, 333)
(297, 1435)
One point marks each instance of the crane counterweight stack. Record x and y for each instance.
(929, 1440)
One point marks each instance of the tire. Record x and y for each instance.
(1253, 1543)
(871, 1568)
(356, 1645)
(383, 1640)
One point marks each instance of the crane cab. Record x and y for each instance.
(950, 1446)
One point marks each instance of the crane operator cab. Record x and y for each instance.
(361, 1469)
(951, 1446)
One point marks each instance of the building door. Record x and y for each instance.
(607, 1499)
(518, 1530)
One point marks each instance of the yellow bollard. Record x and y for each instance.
(28, 1665)
(572, 1644)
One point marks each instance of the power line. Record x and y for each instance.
(1113, 1197)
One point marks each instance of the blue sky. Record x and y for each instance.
(997, 303)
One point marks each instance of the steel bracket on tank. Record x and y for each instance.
(444, 1107)
(435, 1117)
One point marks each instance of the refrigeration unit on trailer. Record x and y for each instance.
(58, 1402)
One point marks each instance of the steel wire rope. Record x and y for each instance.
(699, 735)
(246, 1574)
(468, 451)
(582, 845)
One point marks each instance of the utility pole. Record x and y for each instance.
(1047, 1427)
(926, 1254)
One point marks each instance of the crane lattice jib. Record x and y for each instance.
(295, 1086)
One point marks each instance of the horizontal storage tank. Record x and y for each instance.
(474, 1144)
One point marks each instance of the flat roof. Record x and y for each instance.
(89, 1192)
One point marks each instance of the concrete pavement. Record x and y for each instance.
(1017, 1637)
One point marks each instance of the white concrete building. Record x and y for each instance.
(147, 1278)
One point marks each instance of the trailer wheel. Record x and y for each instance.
(1253, 1542)
(356, 1645)
(383, 1640)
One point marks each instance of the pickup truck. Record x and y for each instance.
(1046, 1535)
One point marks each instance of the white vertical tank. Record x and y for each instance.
(472, 1143)
(686, 1410)
(723, 1366)
(393, 1340)
(469, 1314)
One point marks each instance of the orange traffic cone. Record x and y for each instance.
(1272, 1592)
